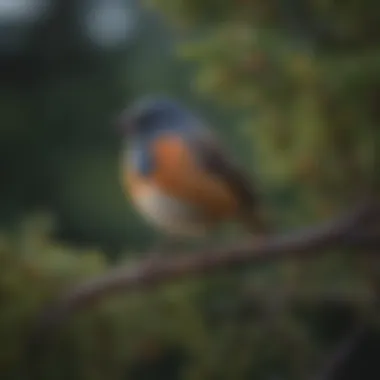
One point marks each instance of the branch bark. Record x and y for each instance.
(346, 231)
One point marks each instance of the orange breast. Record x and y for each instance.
(177, 174)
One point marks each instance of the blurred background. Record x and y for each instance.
(293, 88)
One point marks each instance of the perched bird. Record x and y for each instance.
(177, 174)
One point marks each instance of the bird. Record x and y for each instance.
(178, 175)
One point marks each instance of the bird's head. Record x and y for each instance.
(149, 115)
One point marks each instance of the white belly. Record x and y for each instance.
(170, 214)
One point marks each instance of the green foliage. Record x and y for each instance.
(193, 329)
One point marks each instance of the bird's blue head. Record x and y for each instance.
(155, 114)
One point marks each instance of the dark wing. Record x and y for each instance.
(214, 158)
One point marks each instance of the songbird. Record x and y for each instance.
(177, 174)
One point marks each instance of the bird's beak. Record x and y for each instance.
(123, 125)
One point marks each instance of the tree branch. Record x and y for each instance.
(347, 231)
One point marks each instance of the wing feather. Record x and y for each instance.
(215, 158)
